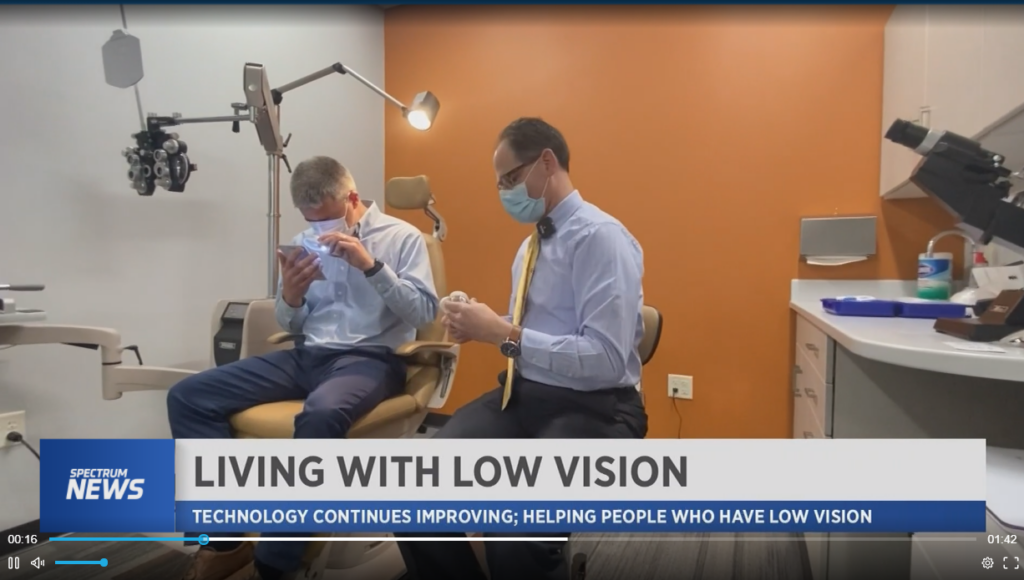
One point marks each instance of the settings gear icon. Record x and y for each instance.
(987, 563)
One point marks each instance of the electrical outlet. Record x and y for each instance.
(680, 387)
(14, 421)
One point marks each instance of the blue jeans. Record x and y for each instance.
(339, 386)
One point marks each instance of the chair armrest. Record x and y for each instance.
(425, 346)
(427, 351)
(283, 337)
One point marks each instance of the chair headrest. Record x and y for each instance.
(408, 192)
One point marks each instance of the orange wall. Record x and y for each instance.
(709, 131)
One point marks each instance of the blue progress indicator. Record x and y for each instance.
(202, 539)
(102, 562)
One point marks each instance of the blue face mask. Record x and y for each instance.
(520, 205)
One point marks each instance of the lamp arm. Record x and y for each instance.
(338, 68)
(375, 88)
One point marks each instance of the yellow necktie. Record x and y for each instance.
(529, 262)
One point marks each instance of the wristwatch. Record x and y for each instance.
(376, 267)
(510, 348)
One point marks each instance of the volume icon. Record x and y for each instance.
(38, 563)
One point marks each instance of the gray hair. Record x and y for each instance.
(319, 179)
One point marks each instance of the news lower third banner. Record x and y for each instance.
(232, 486)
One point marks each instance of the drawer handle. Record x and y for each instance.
(811, 347)
(798, 370)
(808, 435)
(810, 393)
(796, 392)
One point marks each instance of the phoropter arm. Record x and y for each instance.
(116, 378)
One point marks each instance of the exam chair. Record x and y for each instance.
(431, 370)
(648, 346)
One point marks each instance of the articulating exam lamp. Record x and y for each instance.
(423, 111)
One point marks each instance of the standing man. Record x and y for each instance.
(572, 340)
(358, 290)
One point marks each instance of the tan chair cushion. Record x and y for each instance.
(277, 420)
(408, 192)
(652, 333)
(437, 270)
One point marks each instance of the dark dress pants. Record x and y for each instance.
(536, 411)
(338, 386)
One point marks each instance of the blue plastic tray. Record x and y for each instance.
(931, 310)
(876, 308)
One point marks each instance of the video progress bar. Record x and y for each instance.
(204, 539)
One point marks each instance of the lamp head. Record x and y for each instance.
(423, 110)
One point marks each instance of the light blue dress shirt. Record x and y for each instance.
(583, 323)
(348, 309)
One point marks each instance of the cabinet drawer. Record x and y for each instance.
(805, 426)
(814, 389)
(817, 345)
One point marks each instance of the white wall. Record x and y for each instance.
(153, 268)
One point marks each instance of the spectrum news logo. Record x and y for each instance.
(105, 484)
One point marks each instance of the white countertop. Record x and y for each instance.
(899, 341)
(913, 343)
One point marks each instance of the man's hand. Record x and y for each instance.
(347, 248)
(476, 321)
(298, 270)
(453, 333)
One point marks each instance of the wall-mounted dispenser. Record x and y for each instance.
(837, 240)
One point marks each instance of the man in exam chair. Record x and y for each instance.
(573, 355)
(358, 289)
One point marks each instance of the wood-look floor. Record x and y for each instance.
(692, 556)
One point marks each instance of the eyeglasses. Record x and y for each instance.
(511, 177)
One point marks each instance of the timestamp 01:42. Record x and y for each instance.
(1002, 539)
